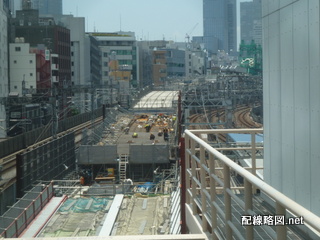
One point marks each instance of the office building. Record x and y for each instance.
(250, 22)
(220, 25)
(48, 7)
(4, 84)
(120, 46)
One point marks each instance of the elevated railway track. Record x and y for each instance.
(8, 163)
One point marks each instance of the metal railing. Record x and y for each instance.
(212, 193)
(19, 216)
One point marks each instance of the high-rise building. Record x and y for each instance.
(48, 7)
(4, 85)
(220, 25)
(291, 99)
(45, 7)
(250, 22)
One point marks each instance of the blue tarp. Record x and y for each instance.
(245, 138)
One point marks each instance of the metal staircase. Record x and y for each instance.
(123, 160)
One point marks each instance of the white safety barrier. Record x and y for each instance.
(212, 196)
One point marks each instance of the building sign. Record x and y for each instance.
(47, 55)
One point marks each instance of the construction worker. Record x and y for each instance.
(165, 134)
(152, 137)
(147, 127)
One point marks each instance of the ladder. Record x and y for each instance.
(123, 160)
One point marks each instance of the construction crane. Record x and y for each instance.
(189, 33)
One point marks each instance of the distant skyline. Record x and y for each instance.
(149, 19)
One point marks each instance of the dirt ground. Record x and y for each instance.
(143, 215)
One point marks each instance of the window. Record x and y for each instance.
(30, 61)
(15, 61)
(55, 73)
(15, 87)
(18, 49)
(15, 114)
(31, 74)
(105, 54)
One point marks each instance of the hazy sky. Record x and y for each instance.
(149, 19)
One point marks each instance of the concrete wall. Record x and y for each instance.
(291, 99)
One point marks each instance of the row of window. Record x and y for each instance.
(175, 65)
(122, 62)
(15, 61)
(15, 87)
(121, 53)
(116, 43)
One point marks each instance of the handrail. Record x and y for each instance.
(287, 203)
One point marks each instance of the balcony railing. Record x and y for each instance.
(232, 202)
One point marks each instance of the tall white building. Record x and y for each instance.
(80, 73)
(291, 101)
(22, 68)
(4, 85)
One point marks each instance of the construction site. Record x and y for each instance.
(125, 181)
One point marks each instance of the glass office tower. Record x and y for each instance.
(220, 25)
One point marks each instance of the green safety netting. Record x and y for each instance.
(83, 205)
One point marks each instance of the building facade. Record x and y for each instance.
(220, 25)
(48, 7)
(159, 67)
(251, 22)
(4, 81)
(120, 46)
(176, 60)
(56, 38)
(22, 68)
(45, 7)
(291, 99)
(146, 57)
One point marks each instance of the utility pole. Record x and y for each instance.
(55, 105)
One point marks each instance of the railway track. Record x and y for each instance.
(9, 162)
(244, 120)
(241, 115)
